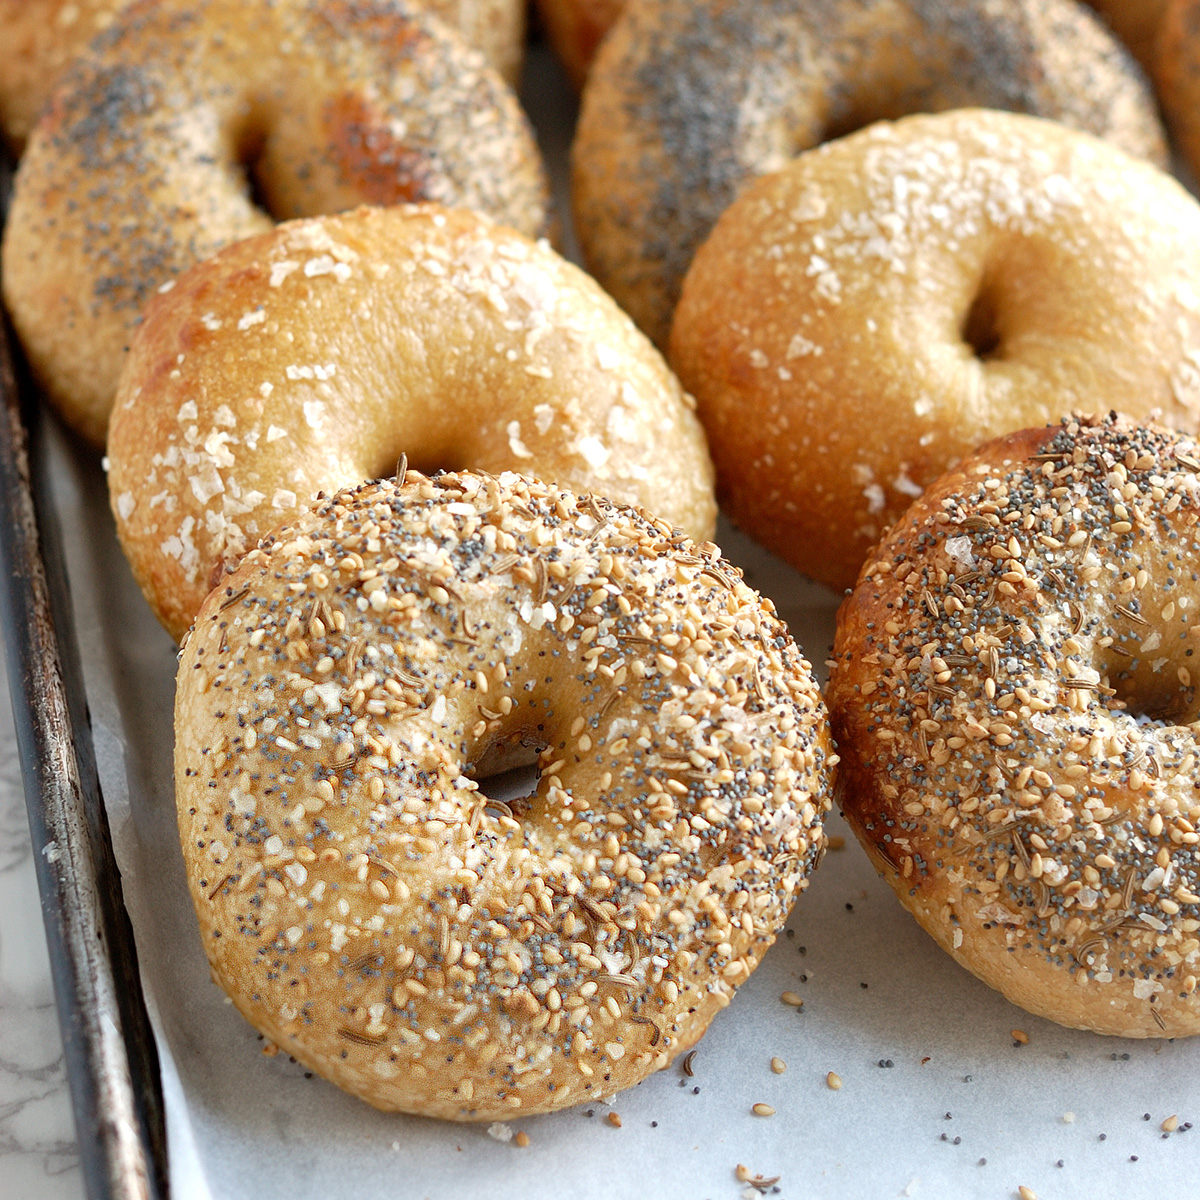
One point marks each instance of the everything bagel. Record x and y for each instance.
(1014, 698)
(371, 910)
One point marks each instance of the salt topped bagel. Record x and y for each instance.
(689, 100)
(1014, 699)
(40, 38)
(142, 165)
(861, 320)
(319, 354)
(371, 910)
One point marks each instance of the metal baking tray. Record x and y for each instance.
(110, 1053)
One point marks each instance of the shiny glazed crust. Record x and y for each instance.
(39, 38)
(893, 299)
(1012, 697)
(688, 101)
(141, 165)
(315, 356)
(372, 911)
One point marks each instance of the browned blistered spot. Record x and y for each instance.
(373, 161)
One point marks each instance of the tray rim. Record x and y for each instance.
(109, 1050)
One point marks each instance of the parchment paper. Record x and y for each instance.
(937, 1099)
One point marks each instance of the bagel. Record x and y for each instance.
(1177, 76)
(371, 910)
(1013, 699)
(39, 38)
(861, 320)
(141, 165)
(317, 355)
(689, 100)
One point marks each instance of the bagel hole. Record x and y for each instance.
(507, 774)
(1150, 696)
(980, 329)
(428, 463)
(249, 148)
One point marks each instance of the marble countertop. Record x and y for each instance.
(38, 1155)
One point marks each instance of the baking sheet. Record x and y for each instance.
(937, 1097)
(109, 1048)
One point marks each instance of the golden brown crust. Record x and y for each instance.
(688, 102)
(893, 299)
(1177, 76)
(372, 911)
(576, 28)
(140, 167)
(315, 356)
(40, 38)
(1012, 697)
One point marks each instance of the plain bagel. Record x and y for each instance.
(1177, 75)
(1136, 23)
(576, 28)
